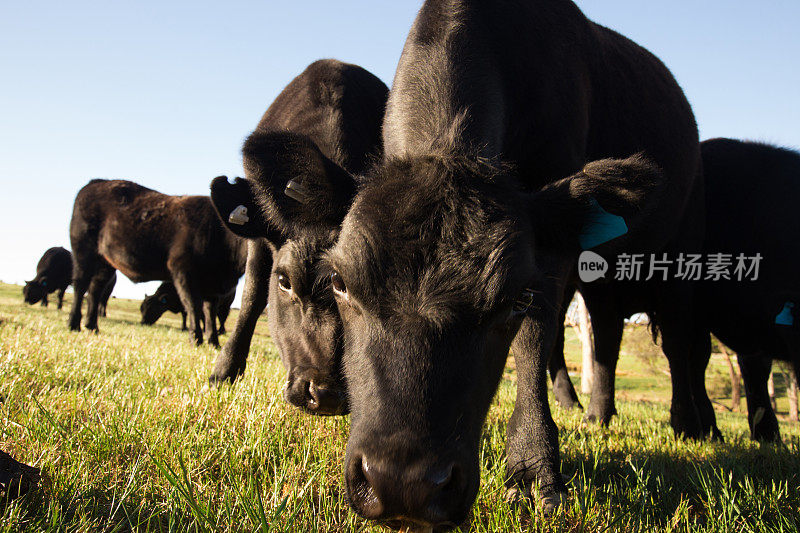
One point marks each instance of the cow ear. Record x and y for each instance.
(296, 187)
(236, 207)
(603, 206)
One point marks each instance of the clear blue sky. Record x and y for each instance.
(163, 93)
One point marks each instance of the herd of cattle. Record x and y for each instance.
(407, 240)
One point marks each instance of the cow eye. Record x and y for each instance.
(523, 303)
(284, 283)
(338, 285)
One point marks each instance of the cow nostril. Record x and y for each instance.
(445, 493)
(456, 480)
(362, 490)
(312, 396)
(441, 479)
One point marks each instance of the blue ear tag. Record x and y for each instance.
(601, 227)
(785, 317)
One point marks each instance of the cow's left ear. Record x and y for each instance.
(604, 203)
(297, 187)
(291, 187)
(235, 204)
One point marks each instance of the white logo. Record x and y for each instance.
(591, 267)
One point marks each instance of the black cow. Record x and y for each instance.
(53, 273)
(749, 193)
(752, 194)
(516, 134)
(166, 299)
(147, 235)
(334, 109)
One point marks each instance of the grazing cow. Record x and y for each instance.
(53, 273)
(166, 299)
(147, 235)
(749, 193)
(752, 194)
(516, 133)
(334, 109)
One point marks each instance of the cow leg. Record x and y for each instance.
(183, 320)
(80, 284)
(60, 298)
(701, 355)
(607, 327)
(95, 294)
(222, 314)
(677, 346)
(191, 304)
(755, 370)
(532, 442)
(231, 361)
(44, 299)
(210, 315)
(563, 390)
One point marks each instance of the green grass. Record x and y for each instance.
(129, 441)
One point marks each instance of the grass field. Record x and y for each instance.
(128, 440)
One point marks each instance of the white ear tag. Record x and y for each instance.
(239, 216)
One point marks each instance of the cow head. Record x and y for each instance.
(165, 299)
(152, 308)
(34, 291)
(295, 198)
(437, 263)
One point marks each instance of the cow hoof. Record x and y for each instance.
(552, 502)
(715, 435)
(569, 403)
(766, 434)
(548, 504)
(514, 496)
(688, 431)
(594, 419)
(215, 380)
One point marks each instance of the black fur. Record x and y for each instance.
(120, 225)
(166, 299)
(326, 119)
(492, 105)
(53, 273)
(752, 195)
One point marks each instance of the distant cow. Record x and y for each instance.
(54, 273)
(166, 299)
(753, 192)
(335, 110)
(147, 235)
